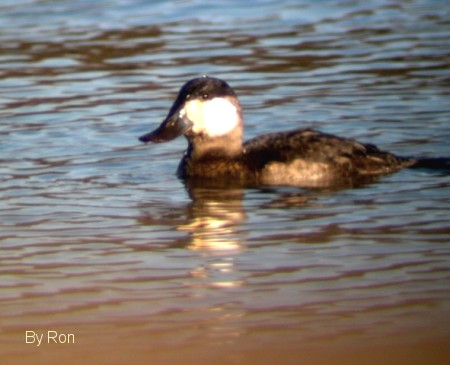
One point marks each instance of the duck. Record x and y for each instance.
(208, 113)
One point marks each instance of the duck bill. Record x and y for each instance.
(172, 127)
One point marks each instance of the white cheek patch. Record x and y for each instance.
(192, 110)
(215, 117)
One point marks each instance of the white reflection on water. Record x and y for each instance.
(214, 232)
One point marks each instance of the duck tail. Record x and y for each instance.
(436, 163)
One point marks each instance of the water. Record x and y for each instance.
(99, 238)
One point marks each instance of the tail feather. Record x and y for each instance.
(437, 163)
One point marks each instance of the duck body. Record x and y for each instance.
(208, 113)
(301, 157)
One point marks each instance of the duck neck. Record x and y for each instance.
(228, 146)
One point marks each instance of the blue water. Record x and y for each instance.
(99, 238)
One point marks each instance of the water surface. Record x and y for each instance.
(99, 238)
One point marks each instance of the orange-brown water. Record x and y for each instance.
(100, 240)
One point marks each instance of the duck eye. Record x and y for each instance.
(205, 96)
(188, 96)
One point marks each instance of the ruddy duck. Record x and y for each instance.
(208, 113)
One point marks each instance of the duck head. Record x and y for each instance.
(206, 108)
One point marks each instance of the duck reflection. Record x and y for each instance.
(215, 222)
(214, 218)
(212, 221)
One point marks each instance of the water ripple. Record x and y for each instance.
(98, 236)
